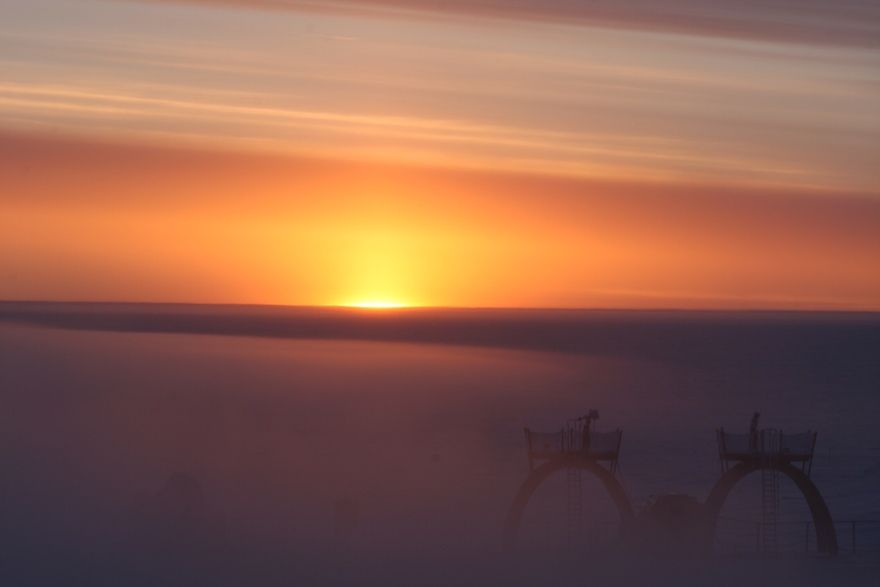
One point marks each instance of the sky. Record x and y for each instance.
(515, 153)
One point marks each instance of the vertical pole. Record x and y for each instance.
(809, 463)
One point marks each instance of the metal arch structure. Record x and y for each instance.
(545, 471)
(826, 536)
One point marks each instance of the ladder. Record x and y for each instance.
(575, 508)
(769, 492)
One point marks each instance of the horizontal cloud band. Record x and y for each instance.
(834, 22)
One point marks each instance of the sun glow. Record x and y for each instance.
(377, 305)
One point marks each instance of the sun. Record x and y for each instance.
(376, 304)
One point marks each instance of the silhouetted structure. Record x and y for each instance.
(771, 452)
(677, 519)
(575, 448)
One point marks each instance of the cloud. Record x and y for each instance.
(88, 220)
(834, 22)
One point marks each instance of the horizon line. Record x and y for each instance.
(412, 308)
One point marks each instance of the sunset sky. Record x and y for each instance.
(534, 153)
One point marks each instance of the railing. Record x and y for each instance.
(769, 441)
(602, 446)
(768, 445)
(854, 537)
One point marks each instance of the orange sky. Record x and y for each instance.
(134, 223)
(170, 152)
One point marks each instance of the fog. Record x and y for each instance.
(180, 458)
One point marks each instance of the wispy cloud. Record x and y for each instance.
(838, 22)
(458, 143)
(457, 92)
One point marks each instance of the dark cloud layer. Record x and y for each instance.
(835, 22)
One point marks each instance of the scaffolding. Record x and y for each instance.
(579, 449)
(769, 449)
(769, 491)
(577, 440)
(767, 446)
(574, 507)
